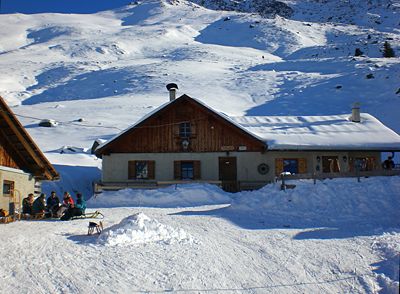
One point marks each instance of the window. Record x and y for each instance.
(362, 164)
(8, 188)
(291, 166)
(330, 164)
(185, 130)
(141, 169)
(187, 170)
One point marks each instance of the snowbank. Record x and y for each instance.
(139, 229)
(173, 196)
(373, 201)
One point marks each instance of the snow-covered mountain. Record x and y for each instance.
(97, 66)
(98, 73)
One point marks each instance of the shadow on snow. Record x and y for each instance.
(91, 85)
(311, 228)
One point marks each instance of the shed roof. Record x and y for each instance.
(24, 150)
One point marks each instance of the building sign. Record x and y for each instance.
(227, 148)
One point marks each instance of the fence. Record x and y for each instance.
(321, 176)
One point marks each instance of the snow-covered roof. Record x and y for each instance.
(330, 132)
(333, 132)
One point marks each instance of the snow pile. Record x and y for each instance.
(388, 269)
(140, 229)
(373, 201)
(172, 196)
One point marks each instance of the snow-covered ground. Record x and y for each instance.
(98, 73)
(338, 236)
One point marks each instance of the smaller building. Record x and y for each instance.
(185, 140)
(22, 165)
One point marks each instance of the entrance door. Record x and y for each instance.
(228, 173)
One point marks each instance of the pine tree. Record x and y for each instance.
(387, 50)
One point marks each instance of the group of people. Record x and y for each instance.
(52, 207)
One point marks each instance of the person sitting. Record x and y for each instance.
(52, 204)
(75, 210)
(388, 163)
(80, 202)
(27, 204)
(67, 203)
(71, 212)
(39, 206)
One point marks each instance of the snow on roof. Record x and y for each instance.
(329, 132)
(333, 132)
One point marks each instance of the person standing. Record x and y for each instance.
(388, 163)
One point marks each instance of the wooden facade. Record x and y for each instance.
(161, 133)
(5, 158)
(18, 150)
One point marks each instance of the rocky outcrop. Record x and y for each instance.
(266, 8)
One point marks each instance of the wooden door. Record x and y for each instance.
(228, 173)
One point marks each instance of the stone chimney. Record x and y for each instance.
(172, 91)
(355, 112)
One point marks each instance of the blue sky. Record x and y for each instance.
(59, 6)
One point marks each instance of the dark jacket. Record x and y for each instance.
(39, 205)
(53, 202)
(26, 206)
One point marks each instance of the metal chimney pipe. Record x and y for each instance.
(172, 91)
(355, 112)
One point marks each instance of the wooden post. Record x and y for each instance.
(283, 186)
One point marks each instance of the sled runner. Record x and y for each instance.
(96, 214)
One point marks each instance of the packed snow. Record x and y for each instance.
(95, 72)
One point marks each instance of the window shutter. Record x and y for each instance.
(151, 164)
(131, 169)
(197, 170)
(177, 170)
(278, 166)
(302, 165)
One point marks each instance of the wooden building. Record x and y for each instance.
(185, 140)
(22, 164)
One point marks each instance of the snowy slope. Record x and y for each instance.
(109, 68)
(338, 236)
(96, 74)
